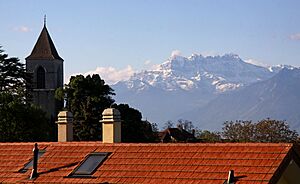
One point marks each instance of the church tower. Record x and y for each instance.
(46, 67)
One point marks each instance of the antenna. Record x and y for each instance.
(111, 105)
(45, 19)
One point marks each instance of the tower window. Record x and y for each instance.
(40, 78)
(59, 81)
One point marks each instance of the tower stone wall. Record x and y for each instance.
(46, 68)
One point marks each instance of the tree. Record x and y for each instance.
(13, 76)
(168, 124)
(266, 130)
(240, 131)
(208, 136)
(134, 129)
(19, 120)
(86, 98)
(186, 125)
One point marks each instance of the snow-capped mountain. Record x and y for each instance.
(275, 98)
(183, 84)
(217, 73)
(277, 68)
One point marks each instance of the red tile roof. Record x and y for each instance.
(149, 163)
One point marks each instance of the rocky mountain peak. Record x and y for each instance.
(191, 84)
(221, 73)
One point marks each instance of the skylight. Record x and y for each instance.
(29, 164)
(90, 164)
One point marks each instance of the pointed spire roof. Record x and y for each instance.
(44, 48)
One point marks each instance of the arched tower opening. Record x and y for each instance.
(40, 78)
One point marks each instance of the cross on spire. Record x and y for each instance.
(45, 19)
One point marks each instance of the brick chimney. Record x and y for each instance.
(65, 126)
(111, 126)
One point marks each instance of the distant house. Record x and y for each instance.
(176, 135)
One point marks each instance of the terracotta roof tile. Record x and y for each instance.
(147, 163)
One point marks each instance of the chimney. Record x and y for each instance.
(193, 132)
(35, 160)
(65, 126)
(111, 126)
(180, 127)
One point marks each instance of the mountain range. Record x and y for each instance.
(209, 90)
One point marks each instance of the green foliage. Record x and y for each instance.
(134, 129)
(239, 131)
(20, 121)
(13, 76)
(181, 123)
(208, 136)
(168, 124)
(266, 130)
(186, 125)
(86, 98)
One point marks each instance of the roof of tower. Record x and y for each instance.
(44, 48)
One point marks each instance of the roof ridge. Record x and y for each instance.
(91, 143)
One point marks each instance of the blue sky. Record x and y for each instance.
(120, 37)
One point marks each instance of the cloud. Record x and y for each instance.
(147, 62)
(209, 53)
(150, 66)
(110, 75)
(295, 36)
(255, 62)
(23, 29)
(175, 53)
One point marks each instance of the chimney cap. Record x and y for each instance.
(65, 114)
(111, 115)
(111, 112)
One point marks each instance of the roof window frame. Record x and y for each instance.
(75, 173)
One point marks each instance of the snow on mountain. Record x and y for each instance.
(222, 73)
(275, 98)
(277, 68)
(182, 84)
